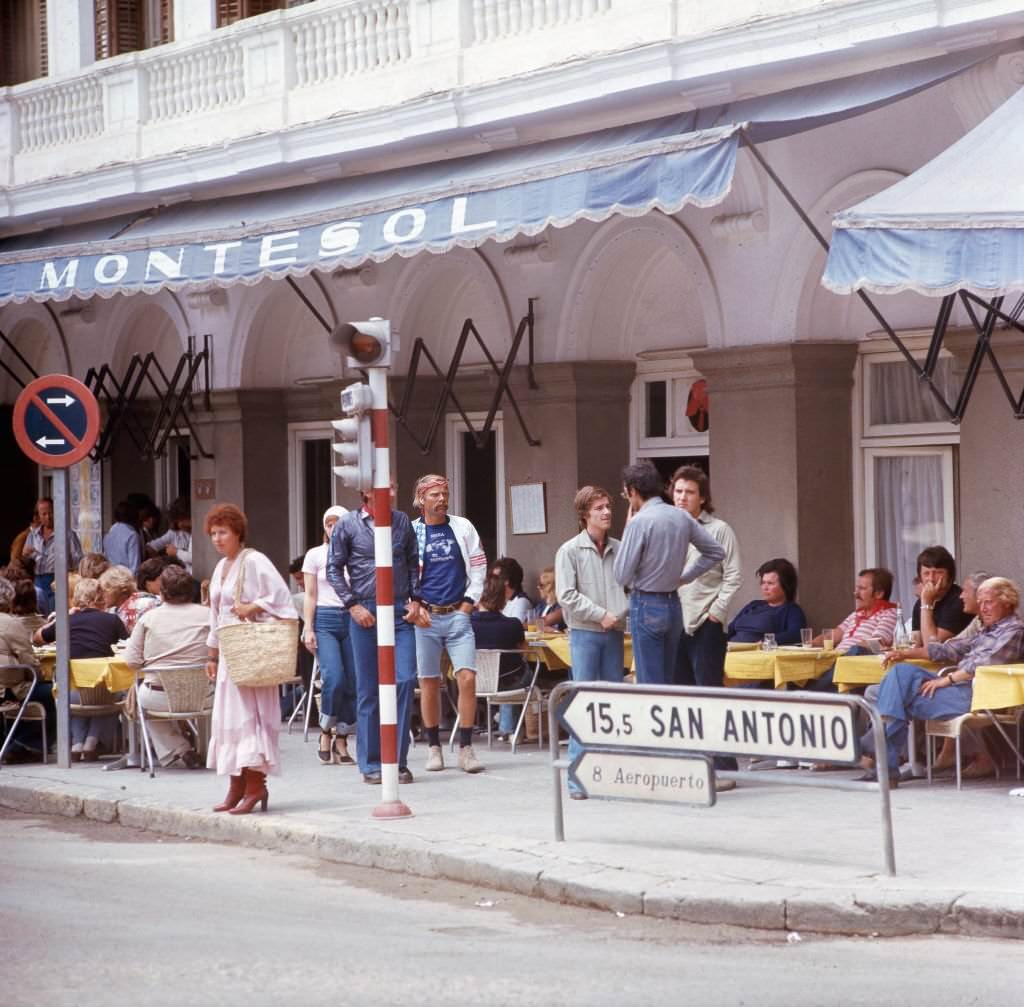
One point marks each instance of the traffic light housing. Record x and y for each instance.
(365, 344)
(355, 446)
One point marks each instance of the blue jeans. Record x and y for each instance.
(44, 581)
(337, 669)
(656, 621)
(899, 699)
(596, 657)
(103, 729)
(364, 648)
(701, 661)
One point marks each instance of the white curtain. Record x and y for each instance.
(897, 395)
(909, 516)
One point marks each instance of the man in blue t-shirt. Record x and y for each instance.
(452, 569)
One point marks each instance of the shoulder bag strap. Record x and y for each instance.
(241, 574)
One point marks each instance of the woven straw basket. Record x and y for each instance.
(258, 654)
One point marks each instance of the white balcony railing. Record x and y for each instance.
(495, 19)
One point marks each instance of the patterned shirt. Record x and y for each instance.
(860, 626)
(1002, 643)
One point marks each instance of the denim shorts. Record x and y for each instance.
(452, 632)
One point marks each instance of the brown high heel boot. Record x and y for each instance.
(255, 793)
(236, 790)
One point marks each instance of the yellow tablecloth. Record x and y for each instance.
(733, 647)
(998, 686)
(88, 673)
(867, 669)
(554, 651)
(778, 666)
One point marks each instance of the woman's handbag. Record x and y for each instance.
(258, 654)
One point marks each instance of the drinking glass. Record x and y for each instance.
(768, 643)
(806, 636)
(827, 639)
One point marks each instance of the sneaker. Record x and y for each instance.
(435, 759)
(721, 786)
(405, 775)
(468, 761)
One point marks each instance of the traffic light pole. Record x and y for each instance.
(390, 805)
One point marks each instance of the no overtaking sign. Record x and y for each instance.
(56, 421)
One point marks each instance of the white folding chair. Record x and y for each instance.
(488, 665)
(16, 677)
(189, 699)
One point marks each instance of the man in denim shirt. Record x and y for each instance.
(352, 551)
(651, 565)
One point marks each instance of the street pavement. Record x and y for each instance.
(125, 916)
(768, 856)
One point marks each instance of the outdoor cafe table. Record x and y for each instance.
(868, 669)
(553, 650)
(89, 673)
(998, 686)
(779, 666)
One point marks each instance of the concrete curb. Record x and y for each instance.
(541, 871)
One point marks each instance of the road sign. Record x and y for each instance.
(644, 776)
(781, 726)
(56, 420)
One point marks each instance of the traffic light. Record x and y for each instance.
(355, 446)
(365, 344)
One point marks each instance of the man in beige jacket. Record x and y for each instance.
(594, 605)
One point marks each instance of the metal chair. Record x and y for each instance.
(979, 719)
(189, 699)
(488, 665)
(96, 701)
(16, 677)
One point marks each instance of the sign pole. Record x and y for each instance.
(61, 521)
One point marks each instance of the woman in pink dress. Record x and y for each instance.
(246, 721)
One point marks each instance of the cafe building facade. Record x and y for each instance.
(564, 211)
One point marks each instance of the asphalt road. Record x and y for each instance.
(101, 914)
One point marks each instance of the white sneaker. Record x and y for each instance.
(435, 759)
(468, 762)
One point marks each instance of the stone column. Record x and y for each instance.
(194, 17)
(990, 529)
(781, 443)
(70, 35)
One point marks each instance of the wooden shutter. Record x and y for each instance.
(230, 11)
(165, 29)
(22, 41)
(120, 27)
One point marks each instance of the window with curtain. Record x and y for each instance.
(896, 395)
(911, 508)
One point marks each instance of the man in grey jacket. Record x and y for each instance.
(652, 565)
(594, 606)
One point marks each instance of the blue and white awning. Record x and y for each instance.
(955, 224)
(664, 164)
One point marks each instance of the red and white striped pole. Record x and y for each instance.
(390, 806)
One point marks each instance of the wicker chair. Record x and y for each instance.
(18, 678)
(96, 701)
(188, 699)
(488, 663)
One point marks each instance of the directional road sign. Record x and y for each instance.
(56, 420)
(644, 776)
(783, 726)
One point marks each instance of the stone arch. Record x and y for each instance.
(803, 309)
(144, 324)
(276, 340)
(640, 284)
(37, 336)
(435, 294)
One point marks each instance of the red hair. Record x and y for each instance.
(227, 516)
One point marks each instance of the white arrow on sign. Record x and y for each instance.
(67, 400)
(632, 776)
(50, 442)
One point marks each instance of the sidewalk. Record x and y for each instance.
(766, 856)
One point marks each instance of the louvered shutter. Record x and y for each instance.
(120, 27)
(230, 11)
(22, 41)
(165, 29)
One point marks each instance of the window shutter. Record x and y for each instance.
(42, 52)
(165, 29)
(22, 41)
(230, 11)
(120, 27)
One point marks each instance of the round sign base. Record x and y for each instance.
(392, 809)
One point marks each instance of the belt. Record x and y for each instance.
(660, 594)
(441, 609)
(155, 688)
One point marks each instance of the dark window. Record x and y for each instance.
(130, 25)
(22, 41)
(230, 11)
(656, 409)
(317, 475)
(480, 501)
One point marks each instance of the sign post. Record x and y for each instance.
(56, 423)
